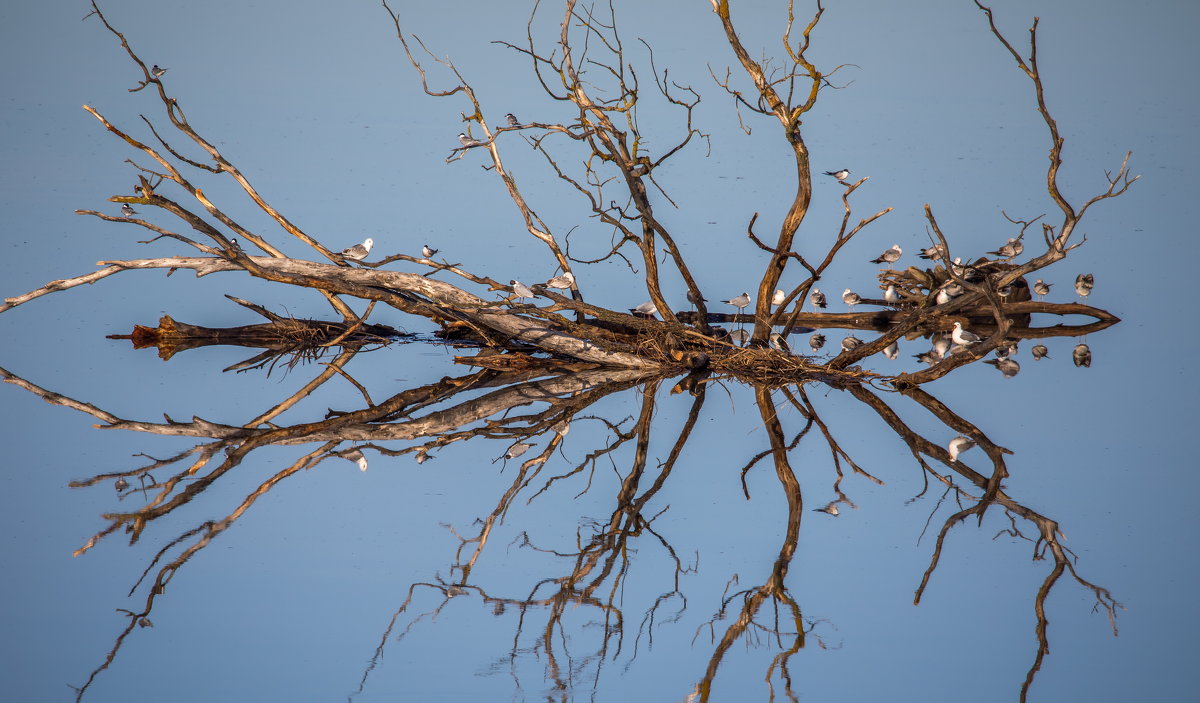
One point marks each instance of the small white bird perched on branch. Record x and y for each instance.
(963, 337)
(841, 175)
(818, 298)
(1084, 283)
(467, 141)
(566, 280)
(646, 309)
(1012, 249)
(779, 297)
(520, 290)
(890, 256)
(948, 292)
(1041, 288)
(936, 251)
(128, 211)
(512, 120)
(740, 302)
(157, 71)
(428, 251)
(851, 298)
(358, 252)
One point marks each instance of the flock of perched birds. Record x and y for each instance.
(944, 344)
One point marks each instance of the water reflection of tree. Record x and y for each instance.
(520, 400)
(519, 407)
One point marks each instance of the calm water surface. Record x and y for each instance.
(658, 550)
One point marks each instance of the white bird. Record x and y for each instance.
(358, 252)
(948, 292)
(566, 280)
(777, 342)
(937, 251)
(1084, 283)
(779, 297)
(841, 174)
(892, 350)
(520, 289)
(889, 256)
(739, 337)
(739, 302)
(1005, 365)
(1041, 288)
(512, 120)
(696, 298)
(127, 210)
(357, 457)
(1082, 355)
(1039, 352)
(851, 298)
(1012, 249)
(957, 268)
(964, 337)
(514, 451)
(818, 298)
(958, 445)
(829, 509)
(816, 341)
(890, 295)
(428, 251)
(851, 342)
(646, 309)
(467, 141)
(157, 72)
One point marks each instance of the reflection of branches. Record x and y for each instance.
(991, 492)
(599, 566)
(235, 443)
(753, 599)
(599, 562)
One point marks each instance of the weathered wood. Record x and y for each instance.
(172, 337)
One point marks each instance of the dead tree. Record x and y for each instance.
(607, 351)
(588, 58)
